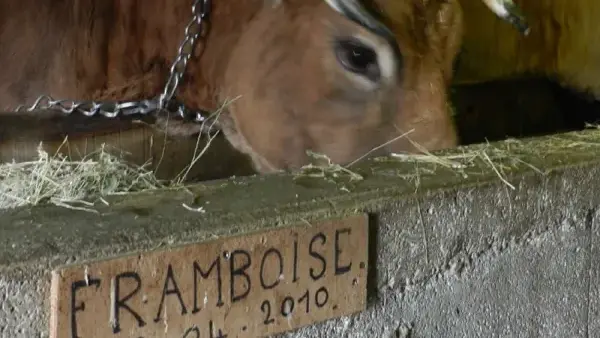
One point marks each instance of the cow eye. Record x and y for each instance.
(358, 58)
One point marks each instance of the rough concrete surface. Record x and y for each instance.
(487, 271)
(458, 255)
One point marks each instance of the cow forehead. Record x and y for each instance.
(356, 11)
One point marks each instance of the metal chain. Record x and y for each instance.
(199, 11)
(165, 101)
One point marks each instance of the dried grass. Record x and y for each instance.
(499, 160)
(54, 179)
(72, 184)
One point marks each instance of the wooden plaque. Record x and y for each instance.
(245, 286)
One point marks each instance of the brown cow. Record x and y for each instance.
(562, 45)
(311, 75)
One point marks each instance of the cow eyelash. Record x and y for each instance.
(358, 58)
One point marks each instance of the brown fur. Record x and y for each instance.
(294, 95)
(430, 35)
(561, 44)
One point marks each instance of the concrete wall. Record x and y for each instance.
(454, 252)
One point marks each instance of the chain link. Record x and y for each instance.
(199, 11)
(165, 101)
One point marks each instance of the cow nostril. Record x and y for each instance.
(358, 58)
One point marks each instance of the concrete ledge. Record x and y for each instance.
(454, 253)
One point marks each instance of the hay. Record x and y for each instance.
(499, 159)
(460, 162)
(81, 184)
(71, 184)
(324, 169)
(198, 153)
(486, 156)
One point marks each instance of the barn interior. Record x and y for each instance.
(486, 105)
(463, 247)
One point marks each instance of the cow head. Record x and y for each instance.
(331, 77)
